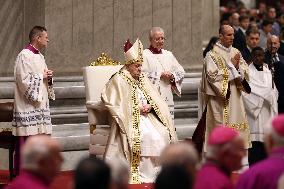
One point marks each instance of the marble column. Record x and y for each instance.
(210, 20)
(16, 19)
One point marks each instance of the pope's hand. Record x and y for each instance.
(145, 109)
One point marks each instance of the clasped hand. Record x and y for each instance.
(47, 74)
(167, 76)
(236, 60)
(145, 109)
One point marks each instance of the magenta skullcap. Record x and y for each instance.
(222, 134)
(278, 124)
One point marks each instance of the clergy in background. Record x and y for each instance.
(266, 173)
(33, 89)
(162, 68)
(225, 75)
(141, 121)
(41, 162)
(225, 153)
(260, 104)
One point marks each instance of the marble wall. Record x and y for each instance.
(79, 30)
(210, 20)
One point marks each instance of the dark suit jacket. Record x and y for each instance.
(281, 48)
(239, 40)
(246, 55)
(278, 77)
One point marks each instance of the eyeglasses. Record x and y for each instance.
(159, 39)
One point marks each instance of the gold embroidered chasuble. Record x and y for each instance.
(120, 96)
(221, 91)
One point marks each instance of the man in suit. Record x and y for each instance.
(275, 63)
(252, 40)
(234, 21)
(240, 37)
(265, 33)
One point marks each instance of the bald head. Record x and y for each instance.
(41, 154)
(225, 28)
(119, 172)
(183, 154)
(273, 38)
(179, 153)
(235, 19)
(226, 35)
(273, 44)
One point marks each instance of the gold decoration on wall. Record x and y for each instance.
(105, 60)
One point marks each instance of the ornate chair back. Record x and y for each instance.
(95, 77)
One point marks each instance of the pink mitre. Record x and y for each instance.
(222, 134)
(278, 124)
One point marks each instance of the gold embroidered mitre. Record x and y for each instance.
(133, 53)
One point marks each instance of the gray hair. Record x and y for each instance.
(119, 171)
(214, 150)
(154, 30)
(179, 153)
(32, 152)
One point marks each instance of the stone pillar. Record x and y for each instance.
(210, 20)
(70, 29)
(195, 61)
(16, 19)
(34, 14)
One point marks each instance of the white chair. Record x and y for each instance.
(95, 78)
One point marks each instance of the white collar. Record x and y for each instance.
(223, 47)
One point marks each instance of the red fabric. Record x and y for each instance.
(155, 50)
(31, 48)
(222, 134)
(127, 45)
